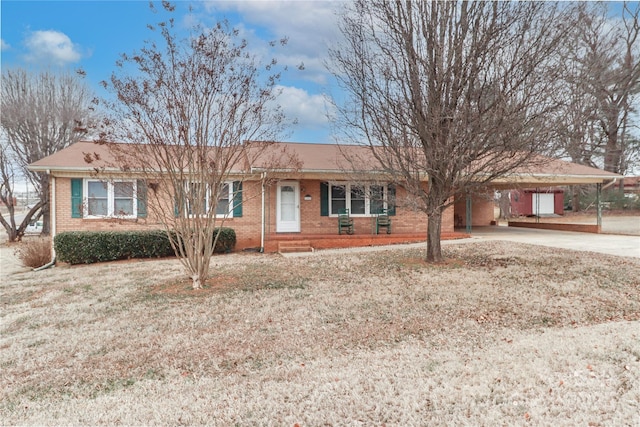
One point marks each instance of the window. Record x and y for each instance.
(97, 199)
(376, 199)
(224, 199)
(361, 200)
(123, 198)
(110, 199)
(338, 198)
(198, 199)
(358, 200)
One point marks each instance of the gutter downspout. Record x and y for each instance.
(262, 225)
(52, 210)
(609, 184)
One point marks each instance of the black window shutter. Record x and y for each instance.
(76, 198)
(324, 199)
(237, 199)
(141, 189)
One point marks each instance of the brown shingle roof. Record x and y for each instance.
(326, 158)
(74, 158)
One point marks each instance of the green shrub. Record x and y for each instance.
(226, 240)
(85, 247)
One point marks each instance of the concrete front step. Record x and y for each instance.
(294, 246)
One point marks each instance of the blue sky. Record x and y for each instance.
(92, 34)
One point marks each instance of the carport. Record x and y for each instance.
(475, 210)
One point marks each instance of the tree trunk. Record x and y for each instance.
(46, 219)
(199, 267)
(46, 209)
(505, 204)
(12, 233)
(199, 260)
(575, 198)
(197, 282)
(621, 188)
(434, 250)
(612, 149)
(8, 221)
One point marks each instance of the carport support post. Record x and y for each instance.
(537, 212)
(599, 205)
(468, 212)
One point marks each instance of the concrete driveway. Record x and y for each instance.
(611, 244)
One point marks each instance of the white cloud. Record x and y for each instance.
(310, 110)
(51, 47)
(4, 45)
(310, 26)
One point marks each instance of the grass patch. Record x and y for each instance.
(362, 337)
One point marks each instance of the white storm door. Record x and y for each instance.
(542, 203)
(288, 207)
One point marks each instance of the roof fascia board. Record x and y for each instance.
(564, 179)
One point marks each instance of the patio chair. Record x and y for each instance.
(383, 221)
(345, 221)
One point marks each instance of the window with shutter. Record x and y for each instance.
(360, 199)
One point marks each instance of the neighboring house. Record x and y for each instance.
(631, 185)
(265, 205)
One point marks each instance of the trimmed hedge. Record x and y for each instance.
(226, 240)
(86, 247)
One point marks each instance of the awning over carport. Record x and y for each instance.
(548, 172)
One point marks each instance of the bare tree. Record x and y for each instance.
(452, 93)
(579, 133)
(189, 105)
(42, 113)
(7, 196)
(608, 54)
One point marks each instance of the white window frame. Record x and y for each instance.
(230, 199)
(367, 198)
(230, 195)
(110, 198)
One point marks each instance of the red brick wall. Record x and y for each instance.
(558, 203)
(583, 228)
(482, 211)
(521, 203)
(248, 227)
(64, 222)
(405, 221)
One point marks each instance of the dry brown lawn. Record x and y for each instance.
(501, 334)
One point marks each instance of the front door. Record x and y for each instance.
(288, 207)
